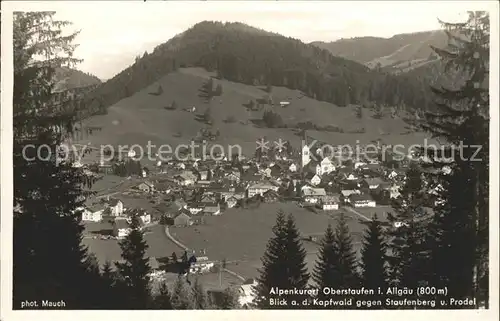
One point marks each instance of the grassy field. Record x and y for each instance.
(240, 235)
(142, 117)
(159, 245)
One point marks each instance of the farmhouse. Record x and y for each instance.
(92, 213)
(115, 207)
(313, 195)
(121, 227)
(144, 216)
(211, 209)
(146, 187)
(372, 183)
(313, 179)
(329, 202)
(186, 178)
(233, 176)
(270, 196)
(363, 200)
(231, 202)
(325, 167)
(260, 189)
(183, 219)
(195, 208)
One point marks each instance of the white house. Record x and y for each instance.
(292, 168)
(92, 213)
(315, 180)
(116, 207)
(195, 208)
(231, 202)
(326, 166)
(359, 164)
(185, 178)
(346, 193)
(131, 153)
(313, 195)
(247, 295)
(284, 103)
(143, 215)
(121, 227)
(260, 188)
(146, 187)
(329, 202)
(363, 200)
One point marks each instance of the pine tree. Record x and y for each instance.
(49, 261)
(134, 268)
(325, 272)
(199, 296)
(409, 238)
(181, 298)
(228, 301)
(284, 264)
(162, 300)
(346, 256)
(374, 259)
(206, 92)
(462, 119)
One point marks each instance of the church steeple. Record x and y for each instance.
(306, 157)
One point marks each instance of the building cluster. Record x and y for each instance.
(185, 191)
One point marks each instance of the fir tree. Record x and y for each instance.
(374, 263)
(461, 117)
(162, 299)
(181, 298)
(199, 296)
(228, 300)
(346, 256)
(409, 248)
(284, 264)
(49, 262)
(134, 268)
(206, 92)
(325, 272)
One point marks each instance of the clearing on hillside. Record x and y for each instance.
(143, 117)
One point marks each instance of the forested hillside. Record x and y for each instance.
(252, 56)
(67, 78)
(401, 52)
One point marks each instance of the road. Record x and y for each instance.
(350, 209)
(185, 248)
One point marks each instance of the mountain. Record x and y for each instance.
(162, 113)
(243, 54)
(67, 78)
(399, 53)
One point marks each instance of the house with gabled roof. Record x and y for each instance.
(121, 227)
(362, 200)
(183, 219)
(92, 213)
(260, 188)
(146, 187)
(116, 207)
(313, 195)
(329, 202)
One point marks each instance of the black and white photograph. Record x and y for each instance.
(249, 155)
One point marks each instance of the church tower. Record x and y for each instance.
(306, 156)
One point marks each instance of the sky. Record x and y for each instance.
(114, 33)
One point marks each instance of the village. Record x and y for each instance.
(182, 195)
